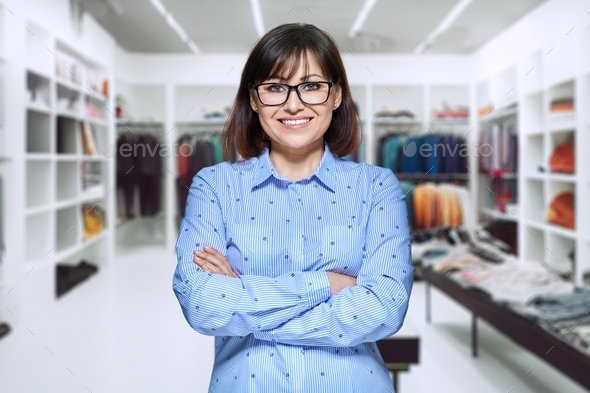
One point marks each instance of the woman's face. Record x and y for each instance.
(295, 125)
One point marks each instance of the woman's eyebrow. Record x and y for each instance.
(309, 76)
(282, 79)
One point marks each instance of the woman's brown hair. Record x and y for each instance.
(280, 53)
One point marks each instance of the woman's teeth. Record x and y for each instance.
(295, 122)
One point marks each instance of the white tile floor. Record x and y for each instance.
(123, 331)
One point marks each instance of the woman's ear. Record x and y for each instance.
(337, 91)
(253, 103)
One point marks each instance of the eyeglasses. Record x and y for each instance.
(310, 93)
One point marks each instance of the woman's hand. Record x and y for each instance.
(211, 261)
(340, 281)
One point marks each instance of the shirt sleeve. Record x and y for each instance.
(376, 307)
(225, 306)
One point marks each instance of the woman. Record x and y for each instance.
(296, 260)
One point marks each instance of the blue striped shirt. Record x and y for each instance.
(277, 326)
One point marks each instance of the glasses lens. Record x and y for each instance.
(310, 93)
(273, 94)
(314, 92)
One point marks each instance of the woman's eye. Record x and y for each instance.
(312, 86)
(275, 88)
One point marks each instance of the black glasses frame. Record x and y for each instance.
(294, 87)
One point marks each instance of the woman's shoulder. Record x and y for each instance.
(364, 168)
(226, 169)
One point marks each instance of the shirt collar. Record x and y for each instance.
(325, 171)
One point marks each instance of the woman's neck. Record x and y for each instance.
(296, 164)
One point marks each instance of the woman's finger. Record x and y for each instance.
(213, 262)
(220, 261)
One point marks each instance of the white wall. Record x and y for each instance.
(225, 69)
(547, 26)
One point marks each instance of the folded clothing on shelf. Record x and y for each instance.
(576, 331)
(460, 112)
(562, 105)
(558, 306)
(563, 159)
(561, 210)
(94, 220)
(68, 276)
(399, 113)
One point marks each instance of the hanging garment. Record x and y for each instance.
(149, 168)
(126, 177)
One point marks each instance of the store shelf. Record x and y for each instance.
(68, 84)
(37, 210)
(35, 107)
(38, 156)
(98, 122)
(69, 115)
(385, 121)
(499, 113)
(561, 125)
(457, 122)
(66, 253)
(562, 177)
(498, 215)
(66, 203)
(95, 95)
(94, 158)
(540, 226)
(67, 157)
(562, 231)
(39, 72)
(559, 177)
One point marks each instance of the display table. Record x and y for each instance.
(560, 354)
(401, 350)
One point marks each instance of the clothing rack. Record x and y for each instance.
(439, 177)
(141, 127)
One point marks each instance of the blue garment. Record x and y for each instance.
(277, 326)
(411, 157)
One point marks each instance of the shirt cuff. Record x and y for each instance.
(318, 287)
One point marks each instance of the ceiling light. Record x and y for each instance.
(174, 25)
(361, 17)
(443, 25)
(159, 7)
(257, 15)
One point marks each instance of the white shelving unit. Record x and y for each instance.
(534, 82)
(64, 89)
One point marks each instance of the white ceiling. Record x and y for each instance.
(227, 26)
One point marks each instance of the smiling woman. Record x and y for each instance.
(296, 53)
(295, 259)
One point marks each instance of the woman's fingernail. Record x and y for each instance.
(196, 259)
(207, 248)
(198, 252)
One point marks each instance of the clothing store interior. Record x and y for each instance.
(109, 108)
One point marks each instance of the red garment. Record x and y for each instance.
(563, 159)
(561, 210)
